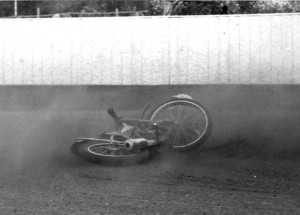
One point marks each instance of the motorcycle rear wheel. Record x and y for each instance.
(104, 151)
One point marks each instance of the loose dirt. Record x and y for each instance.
(39, 175)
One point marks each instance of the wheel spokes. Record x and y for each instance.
(111, 150)
(178, 113)
(191, 120)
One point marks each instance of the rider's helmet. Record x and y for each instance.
(182, 96)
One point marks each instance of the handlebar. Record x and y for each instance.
(116, 118)
(113, 114)
(163, 129)
(135, 122)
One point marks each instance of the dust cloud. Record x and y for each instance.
(39, 175)
(39, 127)
(40, 123)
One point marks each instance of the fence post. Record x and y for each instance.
(38, 12)
(16, 8)
(117, 12)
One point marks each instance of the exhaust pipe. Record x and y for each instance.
(139, 143)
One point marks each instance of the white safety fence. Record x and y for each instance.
(233, 49)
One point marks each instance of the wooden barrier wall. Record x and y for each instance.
(233, 49)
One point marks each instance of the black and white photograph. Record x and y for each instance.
(149, 107)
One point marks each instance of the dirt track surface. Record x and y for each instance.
(176, 184)
(39, 175)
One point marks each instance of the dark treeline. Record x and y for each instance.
(233, 7)
(70, 6)
(154, 7)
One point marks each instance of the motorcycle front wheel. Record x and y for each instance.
(192, 119)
